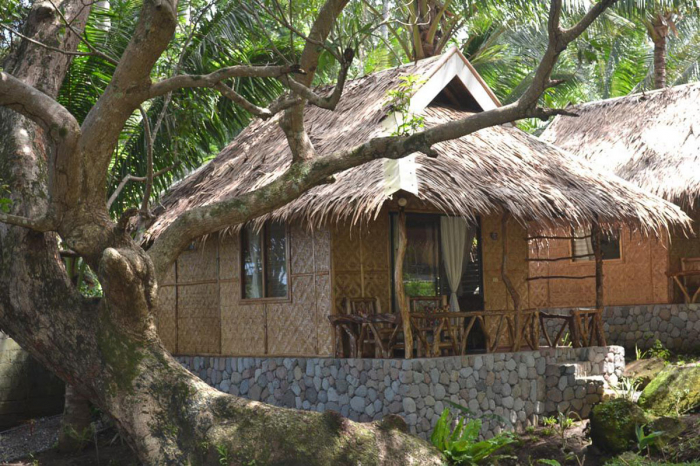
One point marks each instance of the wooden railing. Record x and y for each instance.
(443, 333)
(583, 326)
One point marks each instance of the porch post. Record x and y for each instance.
(596, 238)
(515, 296)
(398, 283)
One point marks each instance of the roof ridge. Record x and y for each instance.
(651, 93)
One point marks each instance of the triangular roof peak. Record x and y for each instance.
(455, 78)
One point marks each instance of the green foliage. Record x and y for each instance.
(399, 101)
(549, 421)
(646, 441)
(460, 445)
(626, 387)
(658, 350)
(224, 455)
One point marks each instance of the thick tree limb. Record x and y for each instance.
(186, 81)
(292, 123)
(53, 117)
(148, 139)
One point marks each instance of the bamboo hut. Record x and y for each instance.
(452, 228)
(652, 140)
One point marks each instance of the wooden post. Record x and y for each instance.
(509, 284)
(398, 283)
(598, 253)
(596, 239)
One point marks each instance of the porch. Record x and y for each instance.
(452, 286)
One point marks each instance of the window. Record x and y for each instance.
(582, 246)
(264, 261)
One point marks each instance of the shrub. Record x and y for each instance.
(460, 445)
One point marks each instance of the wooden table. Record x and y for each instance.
(361, 329)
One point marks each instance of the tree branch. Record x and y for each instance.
(149, 161)
(330, 101)
(292, 123)
(41, 224)
(210, 80)
(56, 49)
(70, 26)
(140, 179)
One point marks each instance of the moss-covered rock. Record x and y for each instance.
(644, 370)
(676, 389)
(670, 427)
(613, 424)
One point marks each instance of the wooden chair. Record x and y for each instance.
(376, 330)
(688, 278)
(444, 340)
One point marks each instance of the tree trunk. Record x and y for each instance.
(75, 429)
(659, 35)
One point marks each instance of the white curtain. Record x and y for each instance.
(453, 232)
(253, 237)
(582, 247)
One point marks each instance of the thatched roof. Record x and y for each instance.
(495, 169)
(650, 139)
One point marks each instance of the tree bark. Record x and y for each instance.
(659, 35)
(76, 422)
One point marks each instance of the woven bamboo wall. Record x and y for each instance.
(638, 277)
(201, 312)
(361, 259)
(496, 296)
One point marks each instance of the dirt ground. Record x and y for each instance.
(539, 444)
(32, 444)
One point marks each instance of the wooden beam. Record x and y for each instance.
(569, 277)
(398, 284)
(599, 286)
(596, 239)
(556, 259)
(533, 238)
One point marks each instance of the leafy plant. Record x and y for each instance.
(549, 421)
(645, 441)
(399, 100)
(626, 388)
(658, 350)
(639, 353)
(460, 445)
(224, 456)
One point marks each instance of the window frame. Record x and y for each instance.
(263, 250)
(591, 259)
(440, 278)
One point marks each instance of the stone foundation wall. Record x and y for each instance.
(517, 387)
(677, 326)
